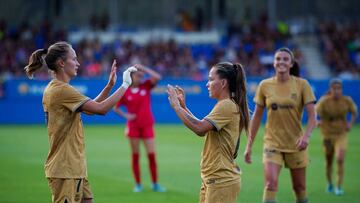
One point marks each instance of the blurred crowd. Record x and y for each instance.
(340, 45)
(252, 45)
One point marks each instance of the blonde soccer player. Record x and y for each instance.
(65, 166)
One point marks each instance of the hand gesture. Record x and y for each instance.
(180, 95)
(127, 76)
(173, 97)
(113, 75)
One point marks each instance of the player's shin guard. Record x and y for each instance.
(136, 167)
(153, 167)
(301, 197)
(269, 196)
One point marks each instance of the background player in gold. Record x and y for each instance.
(284, 96)
(221, 127)
(65, 167)
(332, 110)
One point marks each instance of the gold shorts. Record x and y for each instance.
(217, 193)
(336, 143)
(71, 190)
(291, 160)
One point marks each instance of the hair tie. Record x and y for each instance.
(43, 61)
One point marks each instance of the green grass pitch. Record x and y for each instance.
(23, 149)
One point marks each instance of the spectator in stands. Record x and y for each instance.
(167, 57)
(340, 44)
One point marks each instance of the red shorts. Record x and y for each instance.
(140, 132)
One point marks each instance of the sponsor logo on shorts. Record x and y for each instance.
(269, 152)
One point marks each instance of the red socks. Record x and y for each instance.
(153, 167)
(136, 167)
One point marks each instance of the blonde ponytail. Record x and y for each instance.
(36, 61)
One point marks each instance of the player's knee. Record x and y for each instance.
(271, 184)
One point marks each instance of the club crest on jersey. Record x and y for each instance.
(143, 92)
(293, 96)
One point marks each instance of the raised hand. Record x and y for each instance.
(173, 97)
(127, 77)
(180, 95)
(113, 75)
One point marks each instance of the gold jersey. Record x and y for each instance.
(66, 157)
(333, 113)
(284, 103)
(217, 163)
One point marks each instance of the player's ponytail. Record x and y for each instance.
(236, 78)
(295, 69)
(241, 97)
(36, 61)
(47, 58)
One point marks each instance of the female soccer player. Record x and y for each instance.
(284, 96)
(221, 128)
(140, 123)
(65, 167)
(332, 110)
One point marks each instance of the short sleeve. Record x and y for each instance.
(72, 99)
(221, 114)
(307, 93)
(259, 96)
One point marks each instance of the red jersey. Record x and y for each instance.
(138, 101)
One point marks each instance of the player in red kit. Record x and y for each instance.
(140, 122)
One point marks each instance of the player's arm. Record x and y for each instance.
(120, 112)
(303, 142)
(319, 112)
(199, 127)
(354, 113)
(254, 127)
(107, 89)
(104, 106)
(154, 76)
(181, 97)
(353, 118)
(112, 80)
